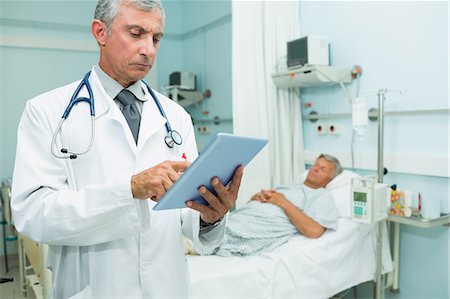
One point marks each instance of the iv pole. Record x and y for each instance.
(379, 279)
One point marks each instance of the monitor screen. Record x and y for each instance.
(297, 52)
(360, 196)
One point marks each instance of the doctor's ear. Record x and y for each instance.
(99, 31)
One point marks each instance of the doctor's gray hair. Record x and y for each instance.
(107, 10)
(337, 166)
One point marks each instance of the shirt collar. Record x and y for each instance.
(112, 87)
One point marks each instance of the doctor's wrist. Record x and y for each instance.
(204, 224)
(137, 191)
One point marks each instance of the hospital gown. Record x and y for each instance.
(261, 227)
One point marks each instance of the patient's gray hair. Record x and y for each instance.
(337, 166)
(107, 10)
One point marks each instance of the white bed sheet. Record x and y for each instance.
(301, 268)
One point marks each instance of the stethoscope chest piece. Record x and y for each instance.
(172, 138)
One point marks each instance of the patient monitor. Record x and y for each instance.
(368, 200)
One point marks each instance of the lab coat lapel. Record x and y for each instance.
(106, 107)
(151, 122)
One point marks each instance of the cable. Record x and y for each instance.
(344, 88)
(356, 74)
(352, 148)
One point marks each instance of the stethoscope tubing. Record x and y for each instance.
(75, 99)
(71, 154)
(158, 104)
(170, 140)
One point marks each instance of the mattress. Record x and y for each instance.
(301, 268)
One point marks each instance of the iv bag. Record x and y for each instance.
(360, 116)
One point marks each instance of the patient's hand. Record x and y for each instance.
(273, 197)
(263, 195)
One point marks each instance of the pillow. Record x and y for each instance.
(340, 190)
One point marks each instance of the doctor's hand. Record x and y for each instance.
(154, 182)
(218, 205)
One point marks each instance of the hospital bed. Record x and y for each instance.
(301, 268)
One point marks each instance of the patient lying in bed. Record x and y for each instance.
(273, 216)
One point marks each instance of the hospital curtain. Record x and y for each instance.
(260, 30)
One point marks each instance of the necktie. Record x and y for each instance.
(130, 111)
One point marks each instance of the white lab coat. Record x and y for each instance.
(103, 243)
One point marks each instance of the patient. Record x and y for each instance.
(273, 216)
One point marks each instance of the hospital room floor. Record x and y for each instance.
(10, 290)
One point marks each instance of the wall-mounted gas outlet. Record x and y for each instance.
(334, 129)
(203, 130)
(321, 129)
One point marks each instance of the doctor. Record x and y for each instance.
(95, 210)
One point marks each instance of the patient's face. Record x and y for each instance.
(320, 174)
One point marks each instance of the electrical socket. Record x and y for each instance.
(334, 129)
(321, 129)
(203, 130)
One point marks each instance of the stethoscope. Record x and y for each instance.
(171, 139)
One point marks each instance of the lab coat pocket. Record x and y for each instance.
(86, 293)
(176, 153)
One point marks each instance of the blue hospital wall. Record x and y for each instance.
(170, 52)
(29, 66)
(201, 44)
(36, 52)
(400, 45)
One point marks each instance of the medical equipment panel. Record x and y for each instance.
(368, 200)
(185, 80)
(308, 50)
(311, 76)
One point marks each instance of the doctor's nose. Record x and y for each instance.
(148, 49)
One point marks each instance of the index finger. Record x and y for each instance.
(179, 166)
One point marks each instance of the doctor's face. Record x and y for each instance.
(320, 174)
(128, 49)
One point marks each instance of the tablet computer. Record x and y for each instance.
(221, 157)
